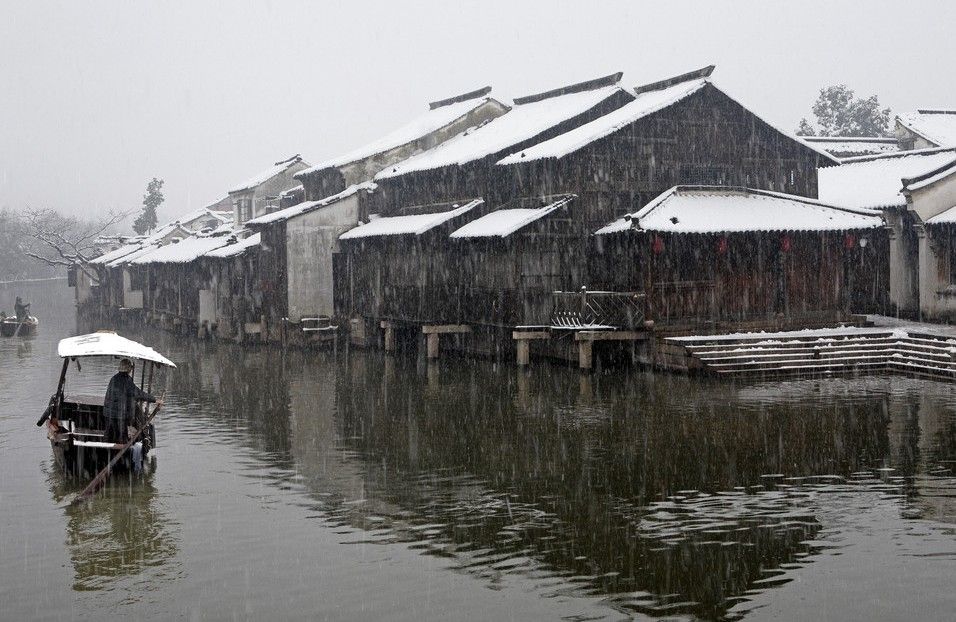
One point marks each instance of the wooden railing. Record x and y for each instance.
(588, 308)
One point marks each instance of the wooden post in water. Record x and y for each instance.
(432, 340)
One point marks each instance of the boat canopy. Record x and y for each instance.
(108, 343)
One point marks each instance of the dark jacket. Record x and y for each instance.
(119, 404)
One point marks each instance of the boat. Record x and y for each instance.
(11, 326)
(75, 424)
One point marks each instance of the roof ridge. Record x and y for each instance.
(771, 193)
(935, 111)
(885, 139)
(704, 72)
(460, 98)
(290, 160)
(587, 85)
(896, 154)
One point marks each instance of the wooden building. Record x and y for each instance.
(464, 165)
(721, 258)
(173, 279)
(109, 281)
(443, 120)
(297, 256)
(875, 183)
(926, 128)
(390, 270)
(931, 202)
(230, 304)
(259, 194)
(300, 241)
(682, 130)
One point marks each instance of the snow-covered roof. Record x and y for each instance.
(528, 118)
(183, 251)
(291, 191)
(416, 224)
(646, 103)
(504, 222)
(268, 174)
(118, 253)
(853, 146)
(236, 248)
(946, 218)
(931, 176)
(108, 343)
(723, 209)
(310, 206)
(875, 182)
(437, 117)
(203, 212)
(936, 126)
(142, 243)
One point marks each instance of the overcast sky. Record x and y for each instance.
(98, 97)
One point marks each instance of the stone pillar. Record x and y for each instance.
(389, 338)
(524, 351)
(432, 339)
(585, 359)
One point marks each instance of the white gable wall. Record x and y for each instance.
(937, 292)
(311, 241)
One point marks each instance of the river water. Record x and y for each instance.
(356, 486)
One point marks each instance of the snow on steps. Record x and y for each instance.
(829, 351)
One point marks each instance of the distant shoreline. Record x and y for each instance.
(51, 278)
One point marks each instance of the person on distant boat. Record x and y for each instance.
(21, 309)
(119, 405)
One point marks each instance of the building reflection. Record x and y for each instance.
(661, 494)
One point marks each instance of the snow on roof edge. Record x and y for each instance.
(310, 206)
(473, 229)
(626, 222)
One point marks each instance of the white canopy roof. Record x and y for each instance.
(108, 343)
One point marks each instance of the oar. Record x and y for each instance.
(17, 331)
(100, 478)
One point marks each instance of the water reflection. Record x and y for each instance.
(122, 534)
(658, 495)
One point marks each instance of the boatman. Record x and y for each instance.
(119, 406)
(22, 310)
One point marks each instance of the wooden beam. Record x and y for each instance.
(610, 335)
(523, 335)
(445, 329)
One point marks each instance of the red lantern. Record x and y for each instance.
(849, 241)
(658, 245)
(722, 246)
(786, 244)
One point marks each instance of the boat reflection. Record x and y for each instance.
(121, 535)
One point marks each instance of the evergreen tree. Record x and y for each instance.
(839, 113)
(153, 198)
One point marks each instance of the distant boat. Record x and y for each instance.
(9, 326)
(76, 426)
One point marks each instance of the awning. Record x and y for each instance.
(108, 343)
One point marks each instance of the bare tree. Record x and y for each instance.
(65, 240)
